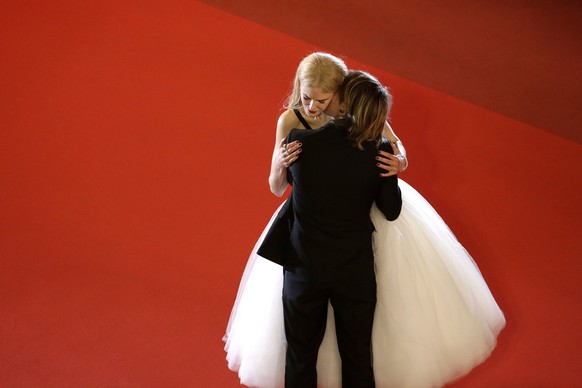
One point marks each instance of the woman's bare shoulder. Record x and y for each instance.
(287, 121)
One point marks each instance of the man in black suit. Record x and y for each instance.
(329, 256)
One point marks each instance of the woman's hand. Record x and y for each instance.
(392, 164)
(288, 153)
(283, 156)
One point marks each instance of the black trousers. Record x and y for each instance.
(306, 293)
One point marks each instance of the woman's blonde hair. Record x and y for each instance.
(317, 70)
(366, 106)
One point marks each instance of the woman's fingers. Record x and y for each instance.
(290, 152)
(292, 147)
(397, 161)
(387, 162)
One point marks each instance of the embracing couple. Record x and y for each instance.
(323, 236)
(356, 281)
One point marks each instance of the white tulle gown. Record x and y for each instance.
(435, 317)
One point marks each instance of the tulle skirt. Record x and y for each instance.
(435, 317)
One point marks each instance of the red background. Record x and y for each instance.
(135, 143)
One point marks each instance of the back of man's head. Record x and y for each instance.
(367, 103)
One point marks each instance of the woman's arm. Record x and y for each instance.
(393, 163)
(283, 154)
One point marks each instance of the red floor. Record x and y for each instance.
(135, 145)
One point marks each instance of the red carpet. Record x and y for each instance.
(135, 144)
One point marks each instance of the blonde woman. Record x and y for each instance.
(317, 80)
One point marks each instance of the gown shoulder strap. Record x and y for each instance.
(302, 119)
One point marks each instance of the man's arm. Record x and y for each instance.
(294, 137)
(389, 198)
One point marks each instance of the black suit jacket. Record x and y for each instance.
(326, 220)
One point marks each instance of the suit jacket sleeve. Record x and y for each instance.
(389, 198)
(292, 136)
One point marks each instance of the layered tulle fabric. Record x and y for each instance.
(435, 316)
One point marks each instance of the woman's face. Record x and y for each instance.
(314, 101)
(334, 108)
